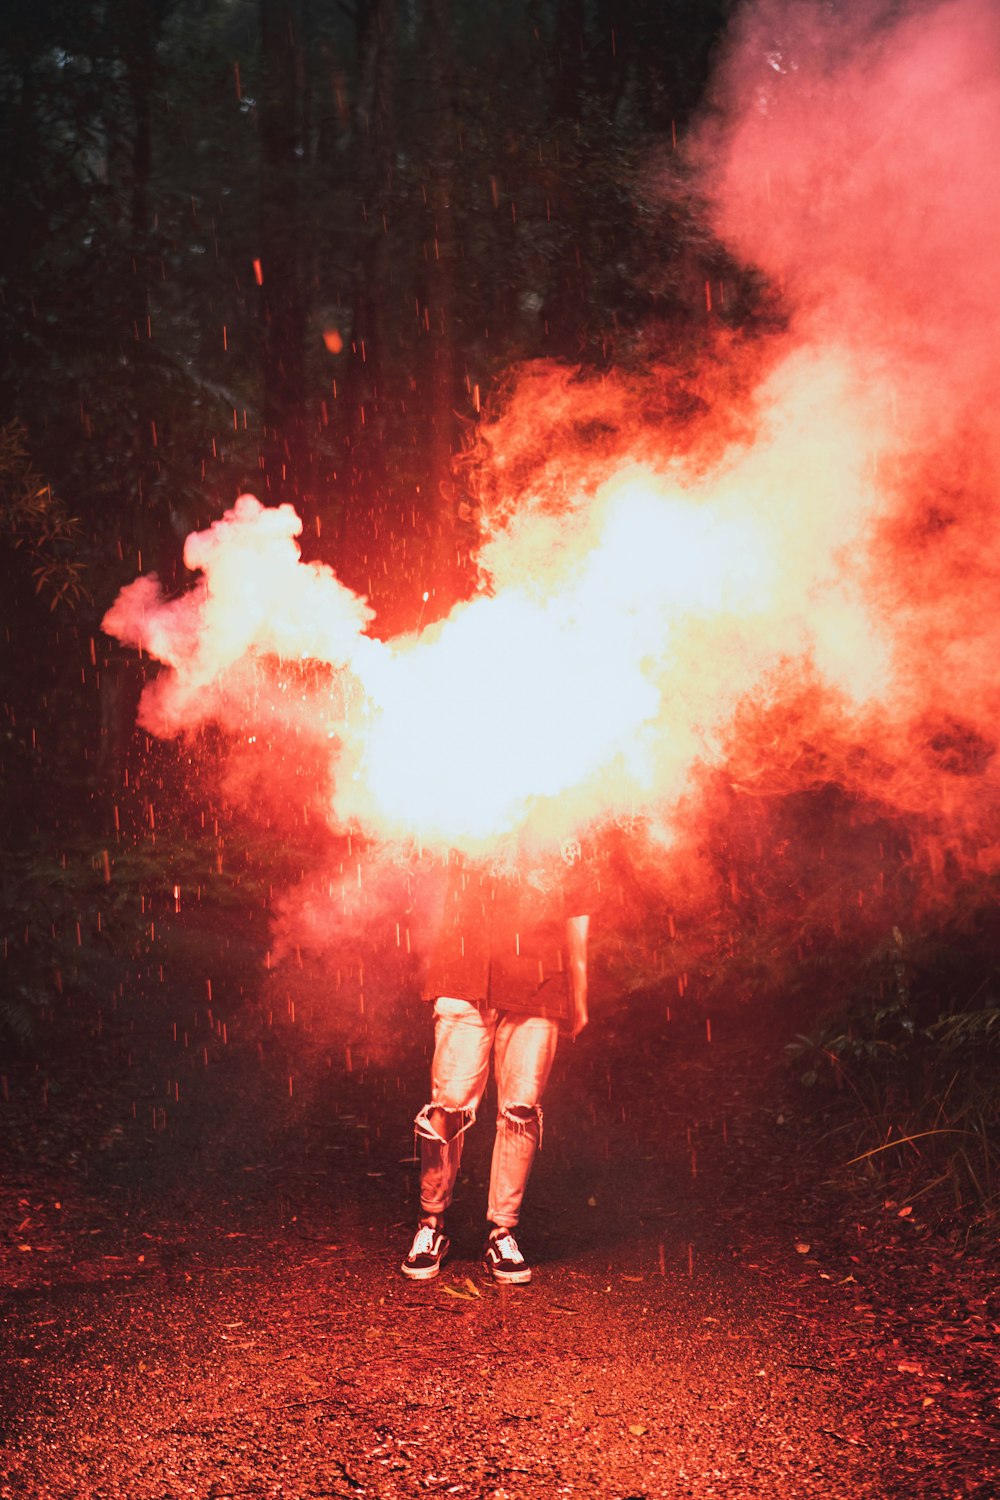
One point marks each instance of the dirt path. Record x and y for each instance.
(204, 1209)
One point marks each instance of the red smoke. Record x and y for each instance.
(798, 591)
(850, 156)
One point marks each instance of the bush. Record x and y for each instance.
(914, 1060)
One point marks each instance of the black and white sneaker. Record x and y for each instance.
(504, 1260)
(429, 1248)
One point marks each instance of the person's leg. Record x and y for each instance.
(524, 1052)
(462, 1040)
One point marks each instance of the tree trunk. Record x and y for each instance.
(438, 343)
(375, 142)
(283, 294)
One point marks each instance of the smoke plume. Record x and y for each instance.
(808, 597)
(848, 155)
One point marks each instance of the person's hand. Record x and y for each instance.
(576, 932)
(579, 1019)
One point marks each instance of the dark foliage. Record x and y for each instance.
(913, 1051)
(294, 248)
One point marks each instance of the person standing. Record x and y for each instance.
(507, 973)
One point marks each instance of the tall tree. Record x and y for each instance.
(374, 140)
(438, 283)
(282, 125)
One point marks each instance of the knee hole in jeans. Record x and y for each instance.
(526, 1119)
(439, 1122)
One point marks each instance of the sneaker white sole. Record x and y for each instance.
(510, 1278)
(420, 1273)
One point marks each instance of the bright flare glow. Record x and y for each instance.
(811, 604)
(601, 664)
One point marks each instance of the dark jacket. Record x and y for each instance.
(496, 930)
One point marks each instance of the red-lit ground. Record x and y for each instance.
(213, 1307)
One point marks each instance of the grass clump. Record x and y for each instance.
(910, 1068)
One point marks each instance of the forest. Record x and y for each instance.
(312, 251)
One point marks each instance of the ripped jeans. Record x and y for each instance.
(523, 1051)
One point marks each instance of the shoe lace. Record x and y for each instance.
(507, 1245)
(423, 1240)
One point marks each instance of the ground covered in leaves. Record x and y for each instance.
(208, 1186)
